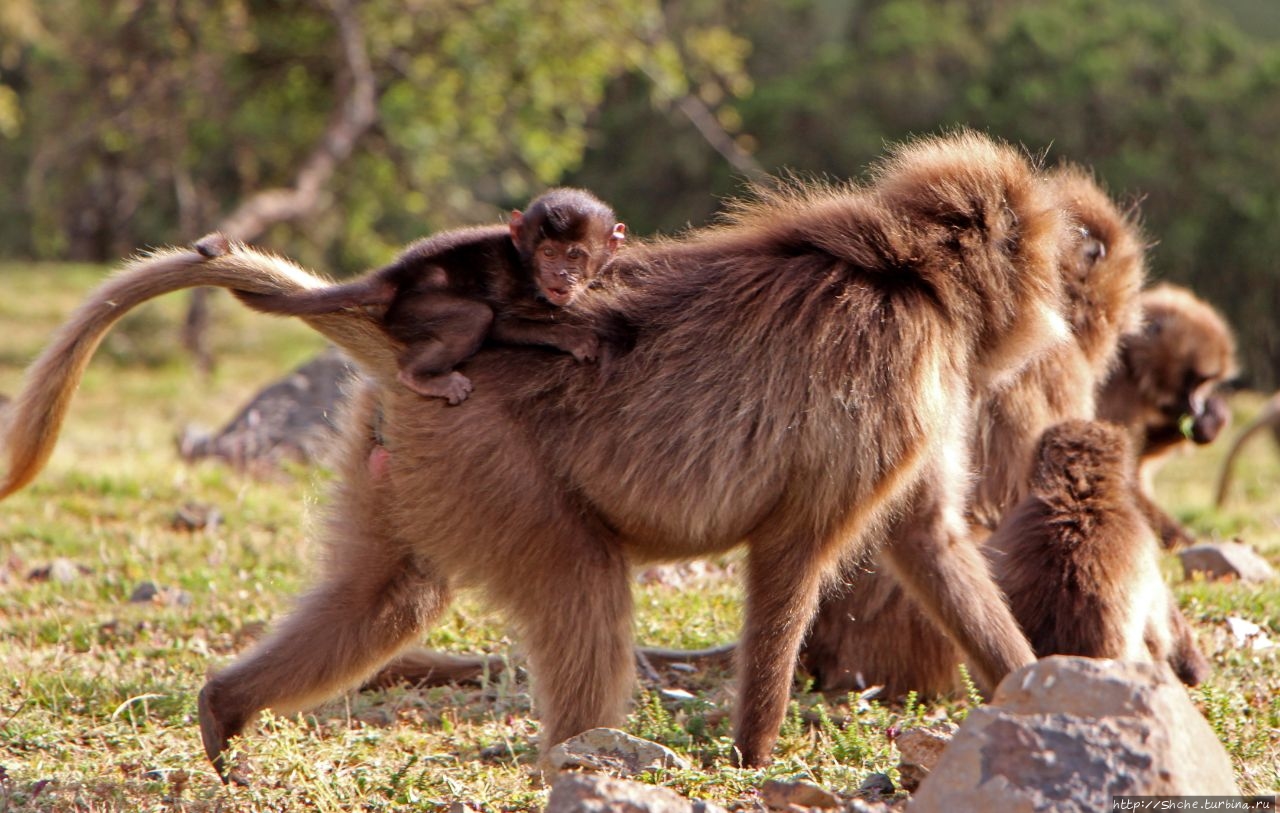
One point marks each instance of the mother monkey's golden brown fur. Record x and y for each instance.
(857, 637)
(787, 379)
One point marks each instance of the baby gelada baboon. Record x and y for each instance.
(448, 293)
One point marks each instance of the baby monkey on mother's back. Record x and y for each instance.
(445, 294)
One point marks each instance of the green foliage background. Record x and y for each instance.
(143, 122)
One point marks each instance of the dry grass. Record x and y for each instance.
(97, 693)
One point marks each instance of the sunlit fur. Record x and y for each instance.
(1078, 559)
(36, 414)
(786, 379)
(1164, 385)
(870, 632)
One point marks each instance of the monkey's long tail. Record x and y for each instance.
(33, 419)
(1268, 418)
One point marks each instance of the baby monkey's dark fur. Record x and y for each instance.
(446, 294)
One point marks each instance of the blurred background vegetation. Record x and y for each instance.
(335, 130)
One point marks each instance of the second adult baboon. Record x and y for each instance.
(792, 377)
(1163, 388)
(1078, 559)
(858, 636)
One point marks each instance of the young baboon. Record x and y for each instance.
(1078, 559)
(1162, 389)
(858, 634)
(793, 376)
(445, 294)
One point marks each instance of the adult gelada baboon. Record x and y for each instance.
(870, 631)
(788, 378)
(1163, 388)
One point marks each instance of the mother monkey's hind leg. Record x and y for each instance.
(376, 595)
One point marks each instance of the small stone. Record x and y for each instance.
(576, 793)
(148, 592)
(60, 570)
(788, 795)
(144, 592)
(65, 571)
(1247, 635)
(1223, 560)
(920, 749)
(613, 751)
(196, 517)
(875, 786)
(376, 718)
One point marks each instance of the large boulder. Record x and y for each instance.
(1067, 734)
(1226, 560)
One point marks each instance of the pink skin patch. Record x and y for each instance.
(379, 459)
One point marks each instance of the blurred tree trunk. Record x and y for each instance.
(355, 113)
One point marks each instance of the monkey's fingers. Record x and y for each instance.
(216, 737)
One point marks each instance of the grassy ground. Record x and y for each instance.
(97, 693)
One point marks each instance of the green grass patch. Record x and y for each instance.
(97, 694)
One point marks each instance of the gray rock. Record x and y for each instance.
(592, 793)
(290, 419)
(60, 570)
(875, 786)
(148, 593)
(613, 751)
(1065, 734)
(1222, 560)
(64, 571)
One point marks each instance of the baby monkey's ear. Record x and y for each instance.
(516, 224)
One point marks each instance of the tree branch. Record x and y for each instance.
(355, 115)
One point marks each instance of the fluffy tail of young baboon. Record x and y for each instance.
(1268, 418)
(35, 417)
